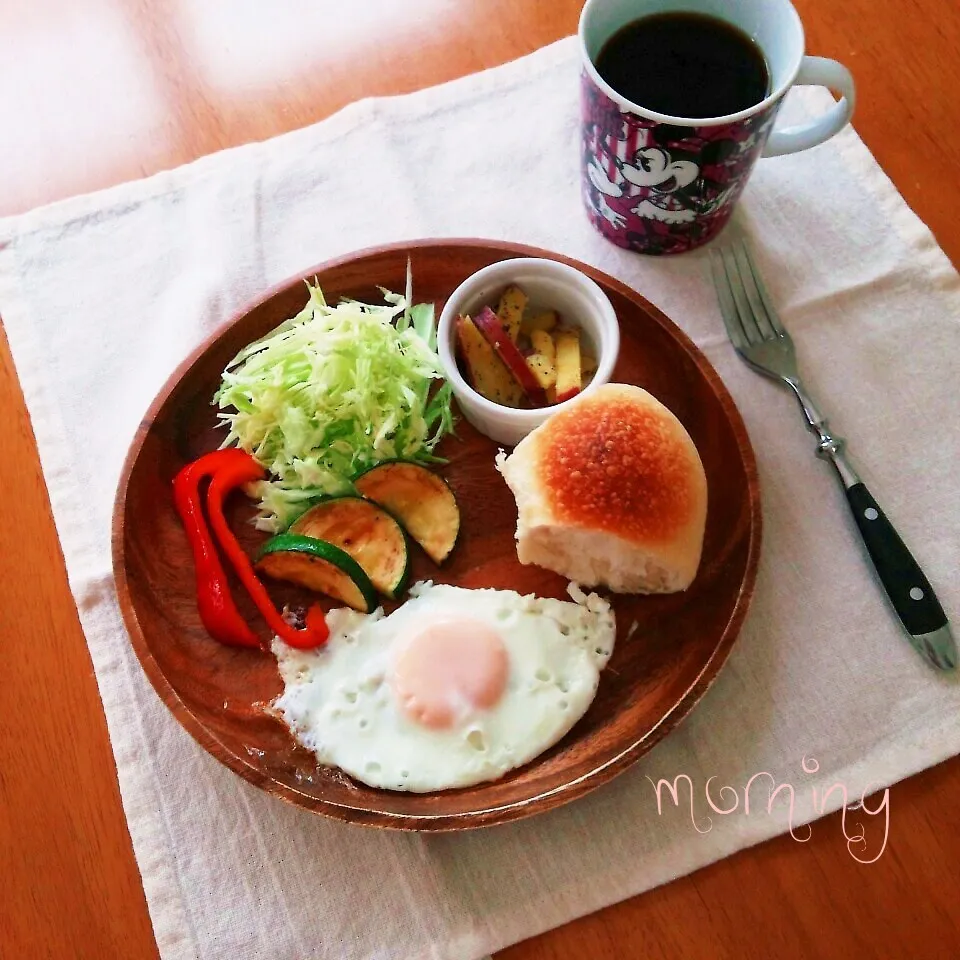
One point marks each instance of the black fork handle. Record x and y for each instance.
(904, 583)
(909, 590)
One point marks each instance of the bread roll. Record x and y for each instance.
(611, 492)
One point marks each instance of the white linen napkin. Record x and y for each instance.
(103, 295)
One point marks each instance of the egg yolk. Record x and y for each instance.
(447, 669)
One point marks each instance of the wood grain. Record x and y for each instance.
(653, 681)
(100, 91)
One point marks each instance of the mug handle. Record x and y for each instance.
(816, 71)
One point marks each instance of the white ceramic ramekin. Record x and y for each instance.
(550, 285)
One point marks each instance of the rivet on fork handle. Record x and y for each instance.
(829, 447)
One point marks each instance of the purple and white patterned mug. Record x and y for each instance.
(660, 184)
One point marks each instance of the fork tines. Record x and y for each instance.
(747, 309)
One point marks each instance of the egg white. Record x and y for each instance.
(338, 703)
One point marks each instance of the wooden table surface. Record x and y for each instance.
(96, 92)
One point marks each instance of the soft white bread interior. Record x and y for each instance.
(611, 492)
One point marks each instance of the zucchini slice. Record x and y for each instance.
(368, 534)
(419, 499)
(319, 566)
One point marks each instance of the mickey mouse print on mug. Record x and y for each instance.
(677, 107)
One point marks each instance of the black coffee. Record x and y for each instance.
(685, 65)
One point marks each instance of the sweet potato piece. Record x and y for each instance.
(496, 335)
(486, 372)
(543, 361)
(542, 342)
(544, 320)
(510, 310)
(569, 381)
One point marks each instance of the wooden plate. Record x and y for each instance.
(654, 678)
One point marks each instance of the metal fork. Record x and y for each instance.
(762, 341)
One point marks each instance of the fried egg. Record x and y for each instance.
(455, 687)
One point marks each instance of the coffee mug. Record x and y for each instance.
(660, 184)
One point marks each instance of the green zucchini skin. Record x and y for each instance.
(317, 565)
(365, 531)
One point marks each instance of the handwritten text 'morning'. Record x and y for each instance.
(725, 800)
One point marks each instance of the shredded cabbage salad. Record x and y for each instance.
(332, 392)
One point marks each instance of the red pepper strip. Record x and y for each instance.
(224, 480)
(217, 610)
